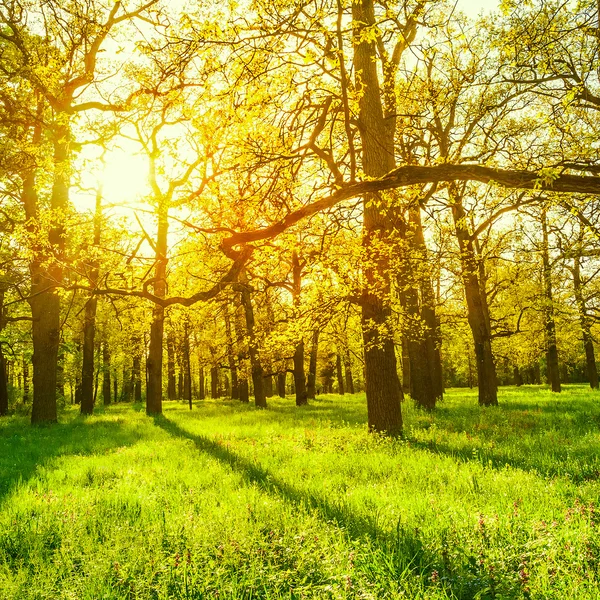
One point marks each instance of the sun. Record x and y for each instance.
(121, 174)
(124, 178)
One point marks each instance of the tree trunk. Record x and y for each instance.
(584, 320)
(348, 371)
(187, 365)
(214, 382)
(299, 378)
(25, 381)
(405, 358)
(3, 386)
(517, 376)
(550, 326)
(115, 388)
(136, 376)
(311, 389)
(231, 356)
(476, 305)
(89, 322)
(268, 386)
(377, 136)
(202, 384)
(171, 383)
(242, 373)
(281, 384)
(106, 374)
(155, 350)
(260, 399)
(43, 299)
(340, 374)
(244, 392)
(87, 365)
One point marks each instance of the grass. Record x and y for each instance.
(230, 502)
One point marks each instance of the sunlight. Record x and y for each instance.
(124, 177)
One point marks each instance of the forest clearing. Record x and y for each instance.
(229, 502)
(299, 299)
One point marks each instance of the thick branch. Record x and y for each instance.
(416, 175)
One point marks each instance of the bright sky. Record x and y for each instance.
(474, 7)
(125, 173)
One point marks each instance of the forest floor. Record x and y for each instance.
(229, 502)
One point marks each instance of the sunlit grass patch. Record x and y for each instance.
(226, 501)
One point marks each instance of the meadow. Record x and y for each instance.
(227, 501)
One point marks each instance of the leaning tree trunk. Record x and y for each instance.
(584, 320)
(155, 349)
(476, 305)
(550, 326)
(377, 136)
(311, 390)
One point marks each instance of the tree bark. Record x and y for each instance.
(105, 374)
(476, 305)
(87, 365)
(377, 136)
(187, 365)
(299, 377)
(585, 324)
(242, 373)
(231, 356)
(171, 382)
(268, 386)
(202, 384)
(136, 375)
(25, 381)
(260, 399)
(339, 374)
(155, 350)
(348, 371)
(3, 386)
(214, 382)
(311, 390)
(89, 322)
(550, 326)
(281, 384)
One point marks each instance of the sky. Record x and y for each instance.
(474, 7)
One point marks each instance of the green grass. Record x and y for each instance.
(230, 502)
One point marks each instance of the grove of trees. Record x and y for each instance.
(334, 196)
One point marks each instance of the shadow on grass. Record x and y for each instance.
(25, 448)
(403, 549)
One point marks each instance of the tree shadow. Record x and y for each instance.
(24, 448)
(579, 466)
(403, 548)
